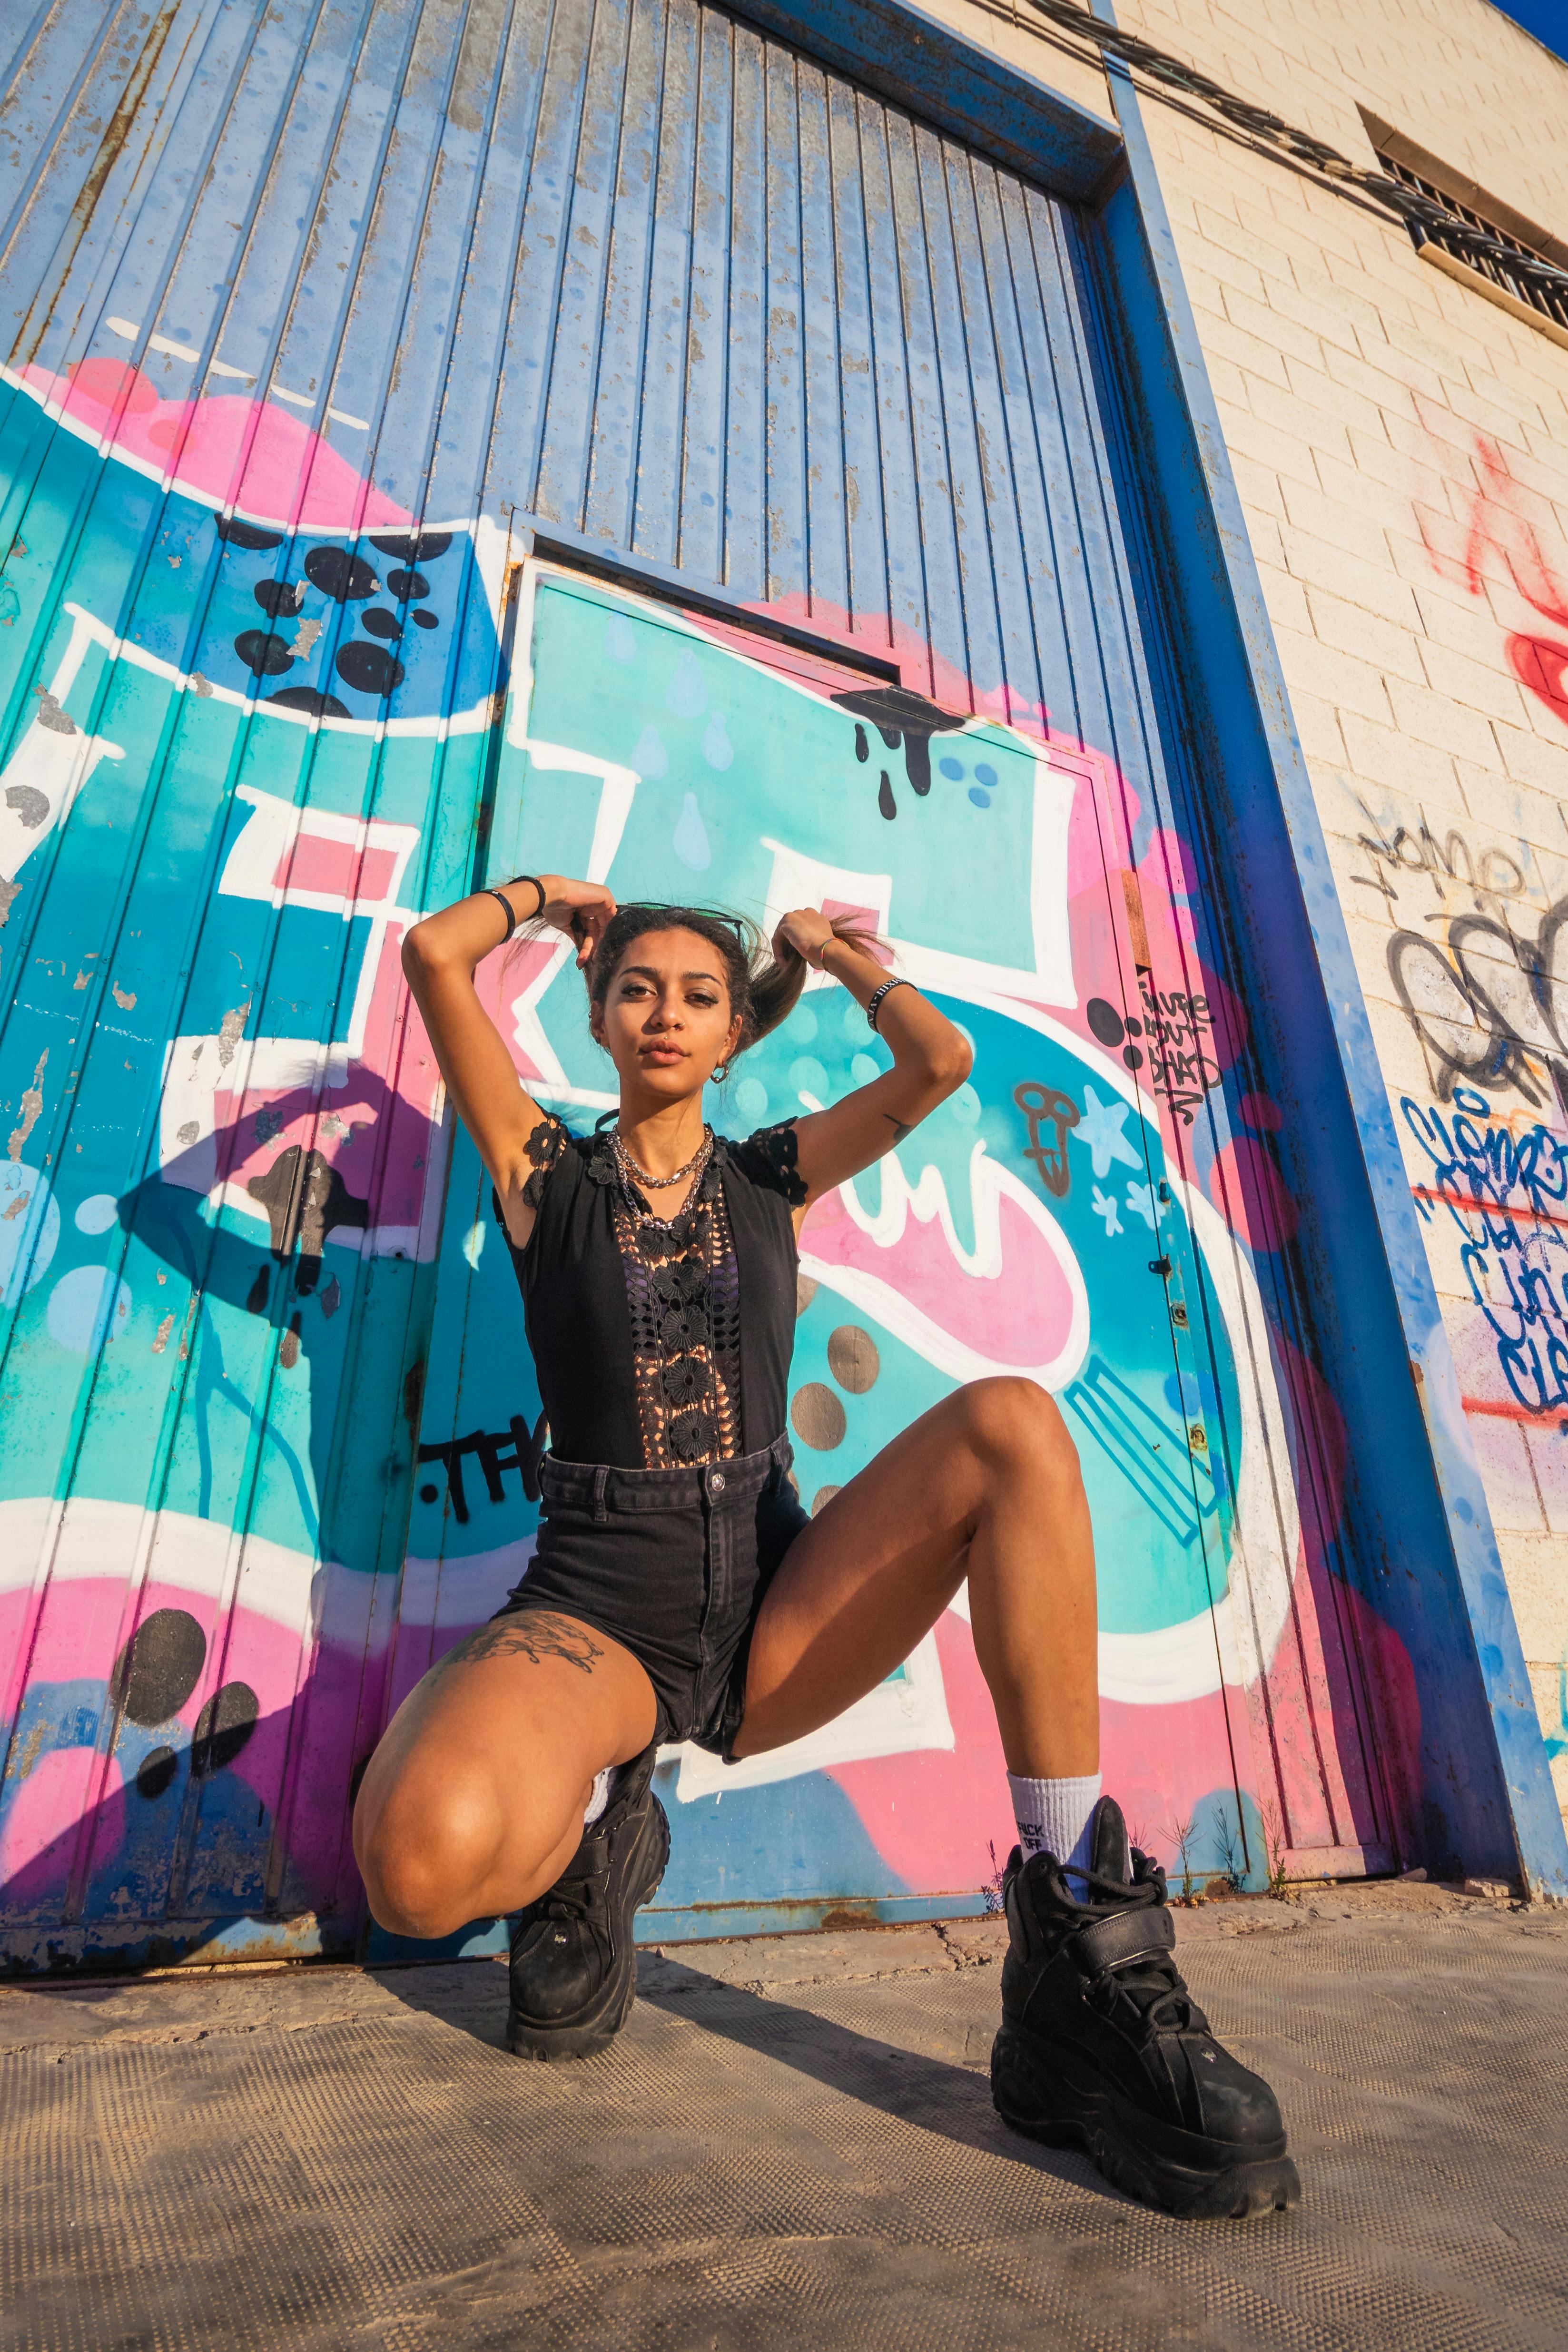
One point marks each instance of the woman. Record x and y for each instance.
(678, 1590)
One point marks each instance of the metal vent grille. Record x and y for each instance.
(1525, 284)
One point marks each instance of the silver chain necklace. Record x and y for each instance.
(629, 1166)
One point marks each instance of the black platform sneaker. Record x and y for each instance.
(1103, 2046)
(573, 1968)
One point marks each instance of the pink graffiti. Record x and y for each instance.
(73, 1793)
(936, 1816)
(252, 453)
(1020, 1313)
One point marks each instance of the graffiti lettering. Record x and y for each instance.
(1506, 1194)
(1488, 1012)
(1045, 1107)
(514, 1448)
(1179, 1030)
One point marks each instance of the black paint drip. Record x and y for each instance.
(900, 717)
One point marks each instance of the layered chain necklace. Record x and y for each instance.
(634, 1173)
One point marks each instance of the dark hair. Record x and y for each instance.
(763, 990)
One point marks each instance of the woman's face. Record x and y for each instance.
(666, 1018)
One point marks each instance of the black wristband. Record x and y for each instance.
(505, 905)
(875, 1006)
(538, 886)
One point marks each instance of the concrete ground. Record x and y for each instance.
(792, 2146)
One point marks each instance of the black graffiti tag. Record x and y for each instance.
(1492, 1012)
(516, 1447)
(1178, 1030)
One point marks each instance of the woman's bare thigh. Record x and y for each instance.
(863, 1583)
(985, 1484)
(479, 1783)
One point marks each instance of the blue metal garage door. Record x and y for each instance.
(317, 317)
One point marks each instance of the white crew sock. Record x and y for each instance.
(1053, 1816)
(599, 1794)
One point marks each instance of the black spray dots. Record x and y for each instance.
(282, 598)
(379, 623)
(159, 1667)
(418, 547)
(262, 652)
(308, 699)
(406, 585)
(369, 669)
(247, 535)
(346, 579)
(155, 1771)
(223, 1728)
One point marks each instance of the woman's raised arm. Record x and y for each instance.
(930, 1061)
(440, 958)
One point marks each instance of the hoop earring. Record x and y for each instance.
(720, 1073)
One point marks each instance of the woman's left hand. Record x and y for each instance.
(804, 932)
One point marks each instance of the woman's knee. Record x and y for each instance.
(425, 1843)
(1011, 1422)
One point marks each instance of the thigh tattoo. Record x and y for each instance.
(533, 1634)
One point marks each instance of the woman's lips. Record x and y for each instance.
(663, 1054)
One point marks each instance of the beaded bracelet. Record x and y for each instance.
(874, 1006)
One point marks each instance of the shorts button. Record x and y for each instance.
(717, 1482)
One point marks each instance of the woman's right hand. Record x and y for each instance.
(580, 909)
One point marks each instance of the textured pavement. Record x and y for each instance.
(791, 2145)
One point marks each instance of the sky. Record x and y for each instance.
(1547, 19)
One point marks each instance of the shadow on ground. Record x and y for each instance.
(949, 2095)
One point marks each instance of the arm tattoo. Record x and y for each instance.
(900, 1129)
(531, 1634)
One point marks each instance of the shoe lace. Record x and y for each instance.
(1151, 1984)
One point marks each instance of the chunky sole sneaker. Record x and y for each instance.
(1044, 2091)
(573, 1962)
(1103, 2047)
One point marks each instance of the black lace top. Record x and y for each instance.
(660, 1343)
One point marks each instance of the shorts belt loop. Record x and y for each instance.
(601, 1480)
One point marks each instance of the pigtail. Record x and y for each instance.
(777, 987)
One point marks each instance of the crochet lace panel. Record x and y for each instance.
(545, 1144)
(771, 1156)
(683, 1292)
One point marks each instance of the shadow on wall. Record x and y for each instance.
(196, 1781)
(179, 1850)
(290, 1283)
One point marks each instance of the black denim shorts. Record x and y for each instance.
(673, 1564)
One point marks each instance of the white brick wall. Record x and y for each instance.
(1401, 447)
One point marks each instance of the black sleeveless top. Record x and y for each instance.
(659, 1344)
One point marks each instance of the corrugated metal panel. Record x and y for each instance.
(310, 310)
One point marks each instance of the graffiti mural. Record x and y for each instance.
(1045, 1221)
(272, 1433)
(223, 1177)
(1463, 895)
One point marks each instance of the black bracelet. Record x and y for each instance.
(874, 1007)
(538, 886)
(504, 903)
